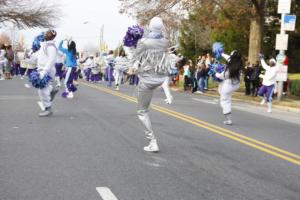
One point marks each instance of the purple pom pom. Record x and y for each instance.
(34, 79)
(218, 49)
(36, 44)
(216, 68)
(133, 35)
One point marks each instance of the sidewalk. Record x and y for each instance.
(287, 104)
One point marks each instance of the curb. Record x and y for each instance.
(284, 108)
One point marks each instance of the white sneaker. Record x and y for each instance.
(1, 79)
(152, 147)
(70, 95)
(198, 92)
(263, 101)
(269, 107)
(228, 122)
(117, 88)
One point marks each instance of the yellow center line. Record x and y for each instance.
(267, 148)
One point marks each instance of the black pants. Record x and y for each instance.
(248, 87)
(254, 85)
(186, 82)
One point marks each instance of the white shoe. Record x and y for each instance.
(70, 95)
(117, 88)
(169, 100)
(228, 122)
(152, 147)
(1, 79)
(269, 107)
(263, 101)
(198, 92)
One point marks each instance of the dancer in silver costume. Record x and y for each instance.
(153, 64)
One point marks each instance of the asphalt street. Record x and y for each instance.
(96, 141)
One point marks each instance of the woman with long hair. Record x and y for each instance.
(230, 82)
(71, 65)
(121, 62)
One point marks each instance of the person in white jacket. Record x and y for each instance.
(46, 58)
(230, 82)
(3, 61)
(269, 80)
(120, 67)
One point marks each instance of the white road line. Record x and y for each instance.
(27, 85)
(106, 194)
(206, 101)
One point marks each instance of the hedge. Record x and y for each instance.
(295, 87)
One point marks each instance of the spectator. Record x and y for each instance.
(187, 73)
(254, 79)
(201, 77)
(247, 74)
(208, 62)
(10, 59)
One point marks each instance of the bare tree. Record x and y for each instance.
(28, 13)
(252, 12)
(4, 39)
(172, 12)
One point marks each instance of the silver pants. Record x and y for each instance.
(145, 92)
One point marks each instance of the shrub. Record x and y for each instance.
(295, 87)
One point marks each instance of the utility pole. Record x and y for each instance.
(101, 39)
(287, 24)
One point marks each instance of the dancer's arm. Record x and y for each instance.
(226, 56)
(221, 75)
(61, 48)
(264, 64)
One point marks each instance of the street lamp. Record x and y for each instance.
(101, 36)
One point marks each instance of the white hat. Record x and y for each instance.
(156, 25)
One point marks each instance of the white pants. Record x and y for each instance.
(118, 74)
(226, 90)
(166, 88)
(68, 74)
(145, 91)
(44, 93)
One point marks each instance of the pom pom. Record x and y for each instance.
(216, 68)
(133, 35)
(34, 79)
(218, 49)
(36, 44)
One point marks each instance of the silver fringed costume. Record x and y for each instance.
(153, 63)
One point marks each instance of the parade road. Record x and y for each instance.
(92, 148)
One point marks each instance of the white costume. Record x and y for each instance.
(3, 63)
(269, 82)
(166, 84)
(46, 58)
(120, 67)
(153, 64)
(226, 89)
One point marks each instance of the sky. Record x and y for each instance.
(82, 20)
